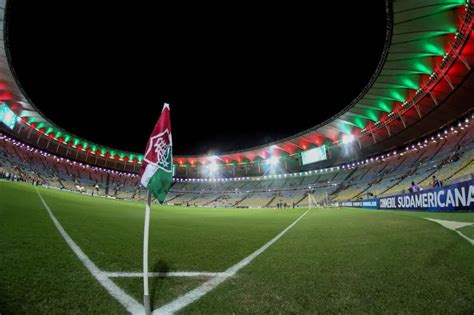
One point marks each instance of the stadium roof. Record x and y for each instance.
(424, 38)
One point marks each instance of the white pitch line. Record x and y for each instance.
(206, 287)
(163, 274)
(467, 238)
(454, 226)
(451, 225)
(127, 301)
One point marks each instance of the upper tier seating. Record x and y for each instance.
(450, 158)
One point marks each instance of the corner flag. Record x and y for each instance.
(157, 175)
(157, 167)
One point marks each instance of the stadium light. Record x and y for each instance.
(346, 139)
(212, 167)
(273, 161)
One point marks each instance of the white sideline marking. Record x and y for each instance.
(127, 301)
(162, 274)
(200, 291)
(467, 238)
(454, 226)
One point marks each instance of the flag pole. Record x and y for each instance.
(146, 294)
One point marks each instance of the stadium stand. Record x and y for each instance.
(449, 155)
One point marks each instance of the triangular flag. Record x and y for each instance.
(157, 167)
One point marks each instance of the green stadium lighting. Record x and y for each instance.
(435, 50)
(397, 96)
(410, 84)
(422, 68)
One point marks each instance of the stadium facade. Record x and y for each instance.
(411, 121)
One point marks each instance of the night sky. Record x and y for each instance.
(236, 75)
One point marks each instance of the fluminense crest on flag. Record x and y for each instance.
(159, 151)
(157, 167)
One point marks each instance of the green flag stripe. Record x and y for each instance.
(159, 184)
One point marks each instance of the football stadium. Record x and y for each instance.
(369, 211)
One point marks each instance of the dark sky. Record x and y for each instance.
(236, 75)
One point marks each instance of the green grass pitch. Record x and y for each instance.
(333, 260)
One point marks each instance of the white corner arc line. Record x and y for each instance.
(163, 274)
(123, 298)
(208, 286)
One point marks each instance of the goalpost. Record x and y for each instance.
(312, 203)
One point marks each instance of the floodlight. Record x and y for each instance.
(273, 161)
(212, 167)
(346, 139)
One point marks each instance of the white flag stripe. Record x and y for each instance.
(150, 170)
